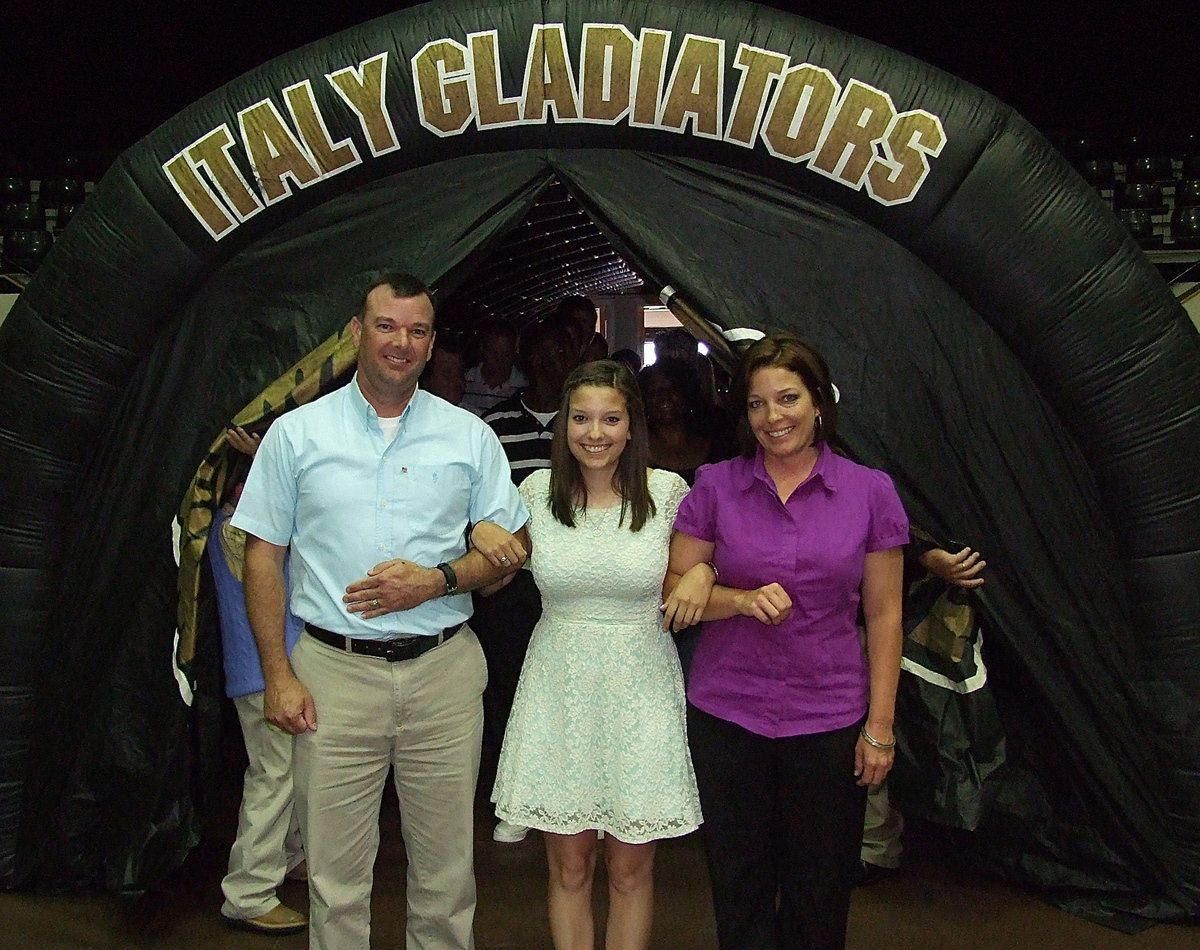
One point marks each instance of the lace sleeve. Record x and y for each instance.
(669, 493)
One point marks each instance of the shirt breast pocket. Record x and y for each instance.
(432, 482)
(432, 498)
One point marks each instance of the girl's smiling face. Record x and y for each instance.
(597, 427)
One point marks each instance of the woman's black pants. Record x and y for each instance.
(782, 829)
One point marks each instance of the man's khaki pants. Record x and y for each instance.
(268, 835)
(424, 717)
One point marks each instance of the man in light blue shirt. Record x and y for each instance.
(373, 487)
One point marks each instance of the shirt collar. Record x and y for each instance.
(756, 470)
(366, 412)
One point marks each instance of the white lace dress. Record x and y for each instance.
(597, 736)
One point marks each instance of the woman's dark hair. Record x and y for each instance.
(788, 352)
(567, 491)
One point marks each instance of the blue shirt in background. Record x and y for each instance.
(239, 652)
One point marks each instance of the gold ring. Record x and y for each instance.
(375, 602)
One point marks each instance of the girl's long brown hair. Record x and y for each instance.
(567, 491)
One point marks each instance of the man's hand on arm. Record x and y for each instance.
(401, 585)
(287, 703)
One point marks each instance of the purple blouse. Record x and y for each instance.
(808, 674)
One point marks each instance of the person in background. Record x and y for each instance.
(267, 847)
(630, 358)
(496, 376)
(445, 373)
(884, 824)
(595, 349)
(373, 487)
(581, 313)
(686, 428)
(686, 431)
(676, 343)
(504, 621)
(788, 721)
(596, 740)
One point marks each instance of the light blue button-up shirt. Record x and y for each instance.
(326, 481)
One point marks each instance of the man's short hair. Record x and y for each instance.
(575, 303)
(402, 285)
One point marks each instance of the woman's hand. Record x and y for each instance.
(872, 764)
(770, 604)
(502, 549)
(961, 569)
(685, 604)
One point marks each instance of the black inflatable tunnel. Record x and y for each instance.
(1002, 347)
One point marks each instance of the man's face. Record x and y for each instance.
(583, 321)
(551, 359)
(395, 338)
(499, 354)
(446, 376)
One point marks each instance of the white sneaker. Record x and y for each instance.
(508, 833)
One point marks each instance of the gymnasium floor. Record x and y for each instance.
(933, 905)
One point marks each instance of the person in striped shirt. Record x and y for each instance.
(504, 622)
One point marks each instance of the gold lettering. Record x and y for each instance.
(330, 157)
(441, 81)
(913, 136)
(696, 87)
(491, 110)
(798, 112)
(650, 68)
(364, 87)
(197, 196)
(862, 119)
(548, 79)
(212, 154)
(607, 72)
(274, 153)
(758, 67)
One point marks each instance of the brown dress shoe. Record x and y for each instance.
(278, 920)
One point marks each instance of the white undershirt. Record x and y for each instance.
(543, 418)
(389, 426)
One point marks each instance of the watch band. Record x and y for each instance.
(451, 579)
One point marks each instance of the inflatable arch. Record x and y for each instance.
(1002, 347)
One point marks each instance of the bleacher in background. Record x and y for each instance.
(1153, 187)
(34, 211)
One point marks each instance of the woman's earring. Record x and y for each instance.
(817, 426)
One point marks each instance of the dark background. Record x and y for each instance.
(90, 79)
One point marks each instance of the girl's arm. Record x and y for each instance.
(502, 549)
(768, 604)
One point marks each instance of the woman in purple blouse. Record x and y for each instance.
(788, 720)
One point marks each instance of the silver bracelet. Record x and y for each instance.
(713, 568)
(871, 740)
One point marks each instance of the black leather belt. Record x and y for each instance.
(402, 648)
